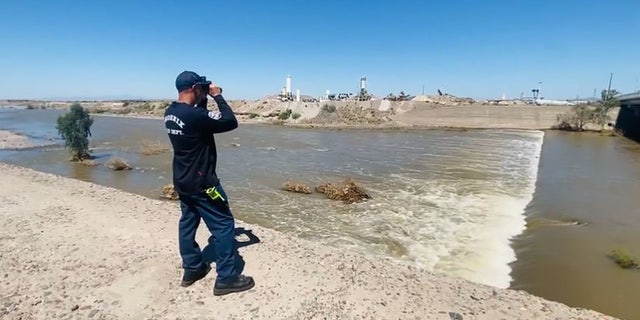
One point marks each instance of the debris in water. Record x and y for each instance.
(296, 187)
(169, 193)
(348, 191)
(543, 222)
(89, 163)
(118, 164)
(152, 148)
(623, 259)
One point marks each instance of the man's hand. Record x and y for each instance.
(214, 90)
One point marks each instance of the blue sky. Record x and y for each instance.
(481, 49)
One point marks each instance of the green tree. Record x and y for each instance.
(607, 102)
(75, 129)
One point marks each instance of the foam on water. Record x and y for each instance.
(449, 207)
(461, 221)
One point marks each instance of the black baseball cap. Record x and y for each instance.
(187, 79)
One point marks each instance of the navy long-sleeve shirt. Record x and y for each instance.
(191, 130)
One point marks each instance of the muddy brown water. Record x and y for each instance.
(595, 180)
(451, 202)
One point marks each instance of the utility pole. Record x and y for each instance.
(609, 88)
(539, 85)
(423, 89)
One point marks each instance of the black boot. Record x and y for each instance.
(190, 278)
(241, 283)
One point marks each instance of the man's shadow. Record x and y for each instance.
(209, 252)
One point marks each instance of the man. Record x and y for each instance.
(191, 127)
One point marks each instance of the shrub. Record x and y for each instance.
(75, 129)
(328, 108)
(623, 259)
(118, 164)
(253, 115)
(284, 115)
(576, 119)
(295, 115)
(89, 163)
(583, 114)
(348, 191)
(126, 110)
(296, 187)
(169, 193)
(152, 148)
(607, 102)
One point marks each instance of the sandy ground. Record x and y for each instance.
(75, 250)
(10, 140)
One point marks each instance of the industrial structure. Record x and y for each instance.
(286, 94)
(628, 121)
(363, 94)
(401, 97)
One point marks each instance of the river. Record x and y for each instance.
(456, 202)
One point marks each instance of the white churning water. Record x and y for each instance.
(446, 201)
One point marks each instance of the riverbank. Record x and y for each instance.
(11, 140)
(73, 249)
(351, 114)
